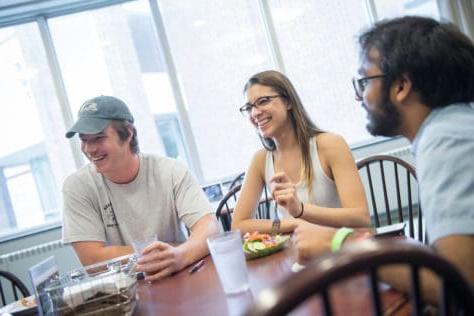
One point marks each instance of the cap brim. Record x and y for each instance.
(88, 125)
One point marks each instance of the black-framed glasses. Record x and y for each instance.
(360, 84)
(262, 101)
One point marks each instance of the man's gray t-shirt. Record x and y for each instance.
(163, 194)
(444, 150)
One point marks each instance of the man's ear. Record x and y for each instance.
(130, 132)
(401, 88)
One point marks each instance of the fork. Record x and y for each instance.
(276, 220)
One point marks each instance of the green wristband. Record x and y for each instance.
(339, 237)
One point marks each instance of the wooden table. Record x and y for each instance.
(200, 293)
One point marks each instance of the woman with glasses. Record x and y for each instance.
(311, 173)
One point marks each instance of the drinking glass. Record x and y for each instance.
(229, 259)
(237, 304)
(140, 244)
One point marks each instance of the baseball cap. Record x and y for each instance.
(95, 114)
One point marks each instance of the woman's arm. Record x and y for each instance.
(354, 208)
(250, 197)
(338, 164)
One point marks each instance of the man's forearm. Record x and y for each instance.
(457, 249)
(93, 252)
(196, 246)
(399, 277)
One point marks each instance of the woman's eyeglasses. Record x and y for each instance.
(260, 102)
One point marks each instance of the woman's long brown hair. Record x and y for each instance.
(304, 127)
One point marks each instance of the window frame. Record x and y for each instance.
(25, 12)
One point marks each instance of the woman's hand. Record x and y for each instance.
(284, 193)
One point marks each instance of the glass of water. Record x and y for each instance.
(229, 259)
(140, 244)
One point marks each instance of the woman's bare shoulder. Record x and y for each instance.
(260, 155)
(258, 160)
(328, 139)
(331, 144)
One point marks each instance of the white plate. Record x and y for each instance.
(25, 306)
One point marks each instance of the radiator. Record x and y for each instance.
(403, 153)
(30, 252)
(18, 262)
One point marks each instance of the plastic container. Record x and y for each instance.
(106, 288)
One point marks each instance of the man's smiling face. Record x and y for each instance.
(105, 150)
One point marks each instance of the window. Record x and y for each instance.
(115, 52)
(168, 126)
(386, 9)
(29, 187)
(188, 111)
(217, 45)
(320, 57)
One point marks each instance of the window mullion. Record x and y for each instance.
(184, 121)
(371, 11)
(59, 86)
(270, 35)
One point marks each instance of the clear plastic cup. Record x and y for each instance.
(229, 259)
(238, 304)
(140, 244)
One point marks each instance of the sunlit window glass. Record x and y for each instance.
(217, 45)
(387, 9)
(31, 146)
(115, 51)
(320, 57)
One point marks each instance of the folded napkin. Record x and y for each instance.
(296, 267)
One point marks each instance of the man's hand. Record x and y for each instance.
(284, 193)
(311, 240)
(160, 260)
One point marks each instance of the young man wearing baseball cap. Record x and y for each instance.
(123, 195)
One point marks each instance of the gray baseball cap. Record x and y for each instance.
(95, 114)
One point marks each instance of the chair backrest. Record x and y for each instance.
(393, 188)
(367, 257)
(225, 208)
(11, 287)
(238, 180)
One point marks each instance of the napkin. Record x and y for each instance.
(296, 267)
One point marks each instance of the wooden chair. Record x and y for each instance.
(367, 257)
(13, 288)
(238, 180)
(225, 208)
(394, 180)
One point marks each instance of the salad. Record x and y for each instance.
(258, 245)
